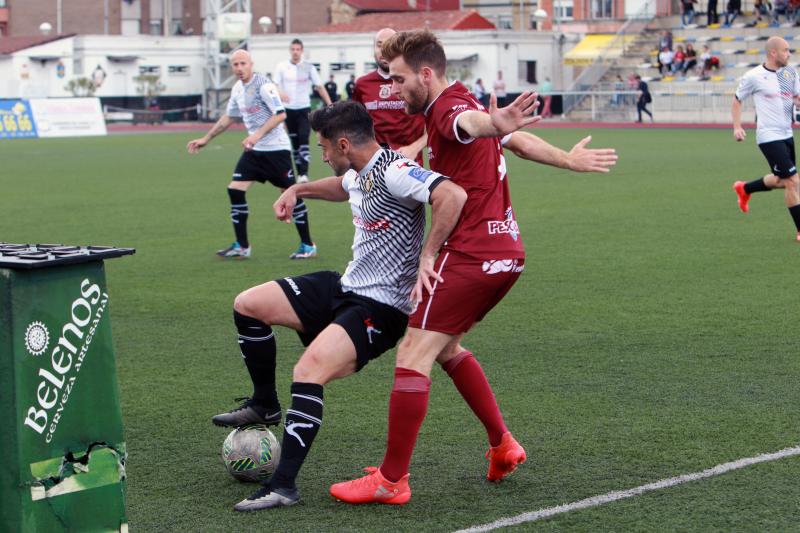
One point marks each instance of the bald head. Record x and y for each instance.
(380, 38)
(777, 52)
(242, 65)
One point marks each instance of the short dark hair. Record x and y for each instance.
(297, 41)
(345, 118)
(419, 48)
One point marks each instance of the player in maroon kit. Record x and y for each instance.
(475, 268)
(393, 127)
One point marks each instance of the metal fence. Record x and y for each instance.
(700, 107)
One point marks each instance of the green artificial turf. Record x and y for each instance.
(653, 333)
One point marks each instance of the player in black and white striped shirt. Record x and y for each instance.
(266, 155)
(343, 320)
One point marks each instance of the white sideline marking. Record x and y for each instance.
(622, 494)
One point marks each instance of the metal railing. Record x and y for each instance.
(712, 105)
(592, 74)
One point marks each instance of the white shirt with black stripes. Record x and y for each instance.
(388, 200)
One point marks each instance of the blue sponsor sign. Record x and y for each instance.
(16, 120)
(419, 174)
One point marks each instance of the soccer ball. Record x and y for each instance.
(251, 453)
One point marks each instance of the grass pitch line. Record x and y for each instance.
(622, 494)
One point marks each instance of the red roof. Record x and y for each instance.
(434, 20)
(9, 45)
(403, 5)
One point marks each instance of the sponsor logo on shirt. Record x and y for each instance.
(375, 225)
(509, 225)
(376, 105)
(496, 266)
(419, 174)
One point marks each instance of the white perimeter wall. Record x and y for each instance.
(24, 77)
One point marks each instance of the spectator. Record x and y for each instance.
(665, 40)
(780, 7)
(687, 12)
(500, 89)
(619, 86)
(732, 11)
(678, 60)
(479, 91)
(708, 62)
(332, 89)
(633, 84)
(762, 9)
(545, 92)
(711, 12)
(665, 58)
(794, 9)
(644, 98)
(691, 58)
(350, 88)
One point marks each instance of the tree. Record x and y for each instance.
(80, 87)
(149, 86)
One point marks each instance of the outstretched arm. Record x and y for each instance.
(447, 201)
(501, 121)
(325, 189)
(221, 125)
(579, 159)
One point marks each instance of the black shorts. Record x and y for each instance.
(298, 125)
(780, 156)
(275, 167)
(318, 300)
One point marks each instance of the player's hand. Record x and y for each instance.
(250, 142)
(739, 134)
(516, 115)
(194, 146)
(284, 205)
(424, 276)
(582, 159)
(407, 152)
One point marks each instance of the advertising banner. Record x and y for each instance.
(68, 117)
(62, 466)
(16, 120)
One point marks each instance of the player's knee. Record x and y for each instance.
(243, 304)
(311, 369)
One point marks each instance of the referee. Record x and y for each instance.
(775, 89)
(294, 79)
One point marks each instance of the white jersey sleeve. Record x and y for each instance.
(314, 75)
(405, 179)
(347, 180)
(745, 88)
(232, 110)
(271, 98)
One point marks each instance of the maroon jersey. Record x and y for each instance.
(393, 126)
(487, 228)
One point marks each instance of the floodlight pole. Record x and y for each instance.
(218, 79)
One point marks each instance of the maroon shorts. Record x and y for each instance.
(471, 288)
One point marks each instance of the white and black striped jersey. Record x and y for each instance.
(387, 199)
(256, 102)
(773, 92)
(297, 80)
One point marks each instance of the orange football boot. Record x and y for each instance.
(373, 488)
(743, 197)
(504, 458)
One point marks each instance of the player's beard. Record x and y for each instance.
(383, 65)
(416, 101)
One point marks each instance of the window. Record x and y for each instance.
(602, 9)
(340, 67)
(150, 69)
(156, 27)
(505, 22)
(527, 72)
(563, 9)
(178, 70)
(369, 66)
